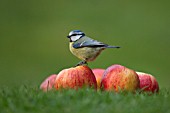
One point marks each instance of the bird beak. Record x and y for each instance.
(68, 36)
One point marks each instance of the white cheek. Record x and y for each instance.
(74, 38)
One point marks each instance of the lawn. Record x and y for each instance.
(26, 99)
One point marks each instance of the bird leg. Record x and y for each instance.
(81, 63)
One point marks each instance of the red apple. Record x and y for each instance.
(48, 83)
(148, 82)
(98, 74)
(119, 78)
(75, 77)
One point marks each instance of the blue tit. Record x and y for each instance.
(84, 47)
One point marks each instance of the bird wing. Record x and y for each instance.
(88, 42)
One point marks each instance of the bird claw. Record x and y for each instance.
(81, 63)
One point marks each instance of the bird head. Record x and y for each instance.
(75, 35)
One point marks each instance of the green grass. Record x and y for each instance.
(33, 41)
(26, 99)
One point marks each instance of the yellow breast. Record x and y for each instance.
(86, 53)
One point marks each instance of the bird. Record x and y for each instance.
(84, 47)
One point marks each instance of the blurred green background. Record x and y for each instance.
(33, 41)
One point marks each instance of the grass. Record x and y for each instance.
(25, 99)
(33, 41)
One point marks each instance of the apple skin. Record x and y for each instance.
(98, 72)
(148, 83)
(119, 78)
(75, 78)
(48, 83)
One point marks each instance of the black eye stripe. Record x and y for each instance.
(74, 34)
(77, 34)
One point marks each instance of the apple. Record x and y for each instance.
(120, 78)
(98, 72)
(148, 82)
(75, 77)
(48, 83)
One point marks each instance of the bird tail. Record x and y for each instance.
(112, 46)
